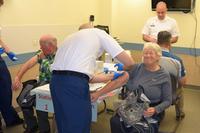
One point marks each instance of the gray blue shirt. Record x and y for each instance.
(156, 85)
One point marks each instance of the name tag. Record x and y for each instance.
(44, 103)
(152, 25)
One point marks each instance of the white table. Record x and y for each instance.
(44, 101)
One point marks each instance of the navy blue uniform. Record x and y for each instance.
(72, 89)
(8, 112)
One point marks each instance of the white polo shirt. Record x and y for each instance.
(153, 26)
(80, 50)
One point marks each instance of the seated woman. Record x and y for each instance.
(156, 84)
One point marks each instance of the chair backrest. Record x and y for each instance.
(31, 81)
(174, 82)
(173, 68)
(170, 65)
(25, 100)
(103, 27)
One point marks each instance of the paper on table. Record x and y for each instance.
(43, 88)
(96, 86)
(110, 66)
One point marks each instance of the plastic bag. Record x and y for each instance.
(131, 109)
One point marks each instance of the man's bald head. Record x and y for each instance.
(1, 2)
(86, 26)
(161, 10)
(48, 40)
(48, 44)
(161, 4)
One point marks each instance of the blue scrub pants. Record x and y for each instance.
(71, 100)
(8, 112)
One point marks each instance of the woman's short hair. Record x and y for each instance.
(153, 46)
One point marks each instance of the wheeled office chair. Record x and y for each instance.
(173, 67)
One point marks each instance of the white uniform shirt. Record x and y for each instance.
(80, 50)
(153, 26)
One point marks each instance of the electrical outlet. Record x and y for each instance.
(35, 43)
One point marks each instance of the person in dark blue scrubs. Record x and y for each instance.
(9, 114)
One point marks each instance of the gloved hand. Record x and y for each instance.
(105, 70)
(117, 75)
(12, 56)
(120, 66)
(1, 51)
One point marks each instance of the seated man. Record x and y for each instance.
(155, 82)
(164, 38)
(48, 45)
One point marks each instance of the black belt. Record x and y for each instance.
(73, 73)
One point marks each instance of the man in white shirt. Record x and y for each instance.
(161, 22)
(73, 68)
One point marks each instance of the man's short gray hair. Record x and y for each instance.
(48, 40)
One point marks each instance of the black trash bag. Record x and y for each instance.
(25, 100)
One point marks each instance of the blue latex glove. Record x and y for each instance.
(12, 56)
(1, 51)
(105, 70)
(120, 66)
(117, 75)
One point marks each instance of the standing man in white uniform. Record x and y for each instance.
(161, 22)
(73, 68)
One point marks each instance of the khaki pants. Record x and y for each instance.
(54, 126)
(179, 102)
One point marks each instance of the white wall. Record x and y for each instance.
(25, 38)
(23, 21)
(129, 16)
(41, 12)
